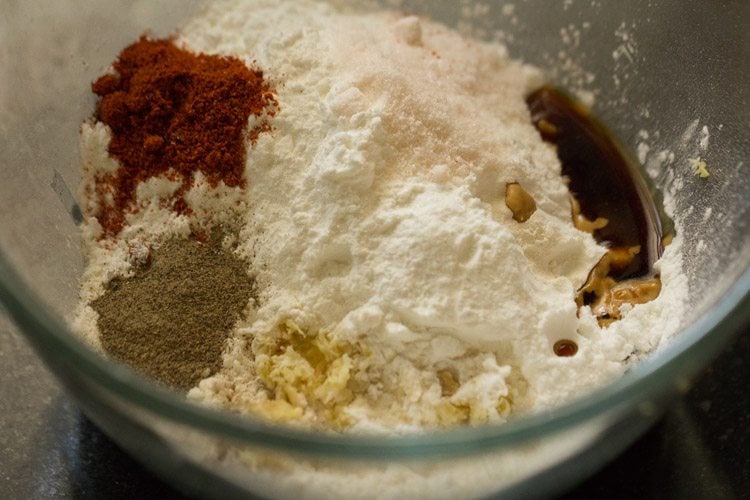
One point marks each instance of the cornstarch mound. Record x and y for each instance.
(407, 236)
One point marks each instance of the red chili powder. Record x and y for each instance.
(173, 113)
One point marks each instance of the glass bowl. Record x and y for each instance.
(659, 71)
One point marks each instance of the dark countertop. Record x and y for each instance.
(48, 449)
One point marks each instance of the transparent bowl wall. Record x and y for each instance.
(656, 67)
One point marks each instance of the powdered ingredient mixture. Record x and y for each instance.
(171, 319)
(397, 288)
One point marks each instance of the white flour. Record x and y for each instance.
(376, 224)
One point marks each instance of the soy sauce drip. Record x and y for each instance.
(603, 178)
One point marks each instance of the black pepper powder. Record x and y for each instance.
(170, 321)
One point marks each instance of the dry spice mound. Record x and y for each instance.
(170, 321)
(173, 113)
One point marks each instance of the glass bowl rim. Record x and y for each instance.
(699, 342)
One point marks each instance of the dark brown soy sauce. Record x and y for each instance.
(603, 178)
